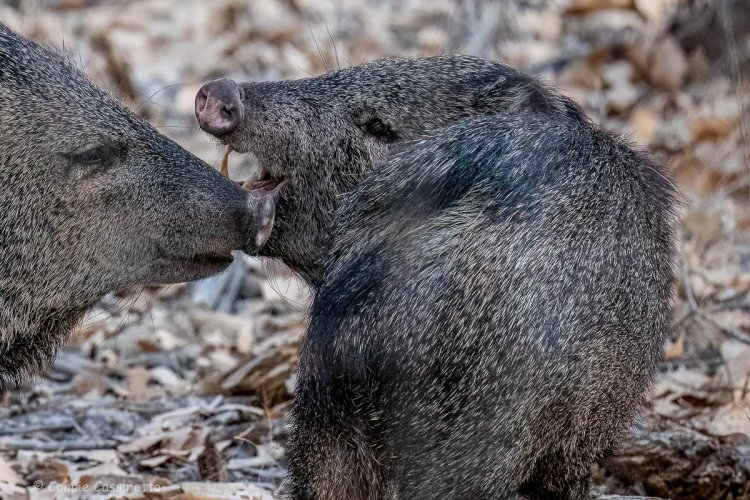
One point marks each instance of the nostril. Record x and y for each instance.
(200, 101)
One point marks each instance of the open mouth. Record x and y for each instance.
(264, 181)
(266, 185)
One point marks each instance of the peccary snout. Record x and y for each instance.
(199, 219)
(218, 107)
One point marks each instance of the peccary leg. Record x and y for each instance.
(339, 461)
(331, 452)
(325, 470)
(558, 476)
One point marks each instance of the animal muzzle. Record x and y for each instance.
(218, 107)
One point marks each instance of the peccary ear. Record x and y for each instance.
(266, 215)
(367, 119)
(515, 93)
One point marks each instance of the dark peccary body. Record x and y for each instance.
(493, 297)
(93, 199)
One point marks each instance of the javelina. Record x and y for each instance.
(94, 199)
(495, 292)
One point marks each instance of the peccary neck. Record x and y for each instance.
(30, 337)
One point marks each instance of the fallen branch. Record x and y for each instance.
(672, 461)
(37, 445)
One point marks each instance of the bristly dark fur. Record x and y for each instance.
(93, 199)
(493, 296)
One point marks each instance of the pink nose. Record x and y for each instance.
(218, 107)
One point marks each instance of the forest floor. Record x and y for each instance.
(181, 391)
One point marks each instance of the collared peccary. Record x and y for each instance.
(94, 199)
(492, 270)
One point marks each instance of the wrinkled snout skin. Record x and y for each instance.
(94, 199)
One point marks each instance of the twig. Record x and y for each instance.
(12, 443)
(36, 428)
(728, 330)
(692, 303)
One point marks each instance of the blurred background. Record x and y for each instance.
(167, 388)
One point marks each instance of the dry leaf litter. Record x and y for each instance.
(180, 392)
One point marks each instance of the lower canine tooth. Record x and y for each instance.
(225, 161)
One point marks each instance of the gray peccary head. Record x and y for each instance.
(325, 134)
(94, 199)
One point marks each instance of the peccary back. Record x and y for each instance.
(490, 318)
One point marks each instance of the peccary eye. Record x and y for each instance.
(380, 129)
(98, 155)
(94, 160)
